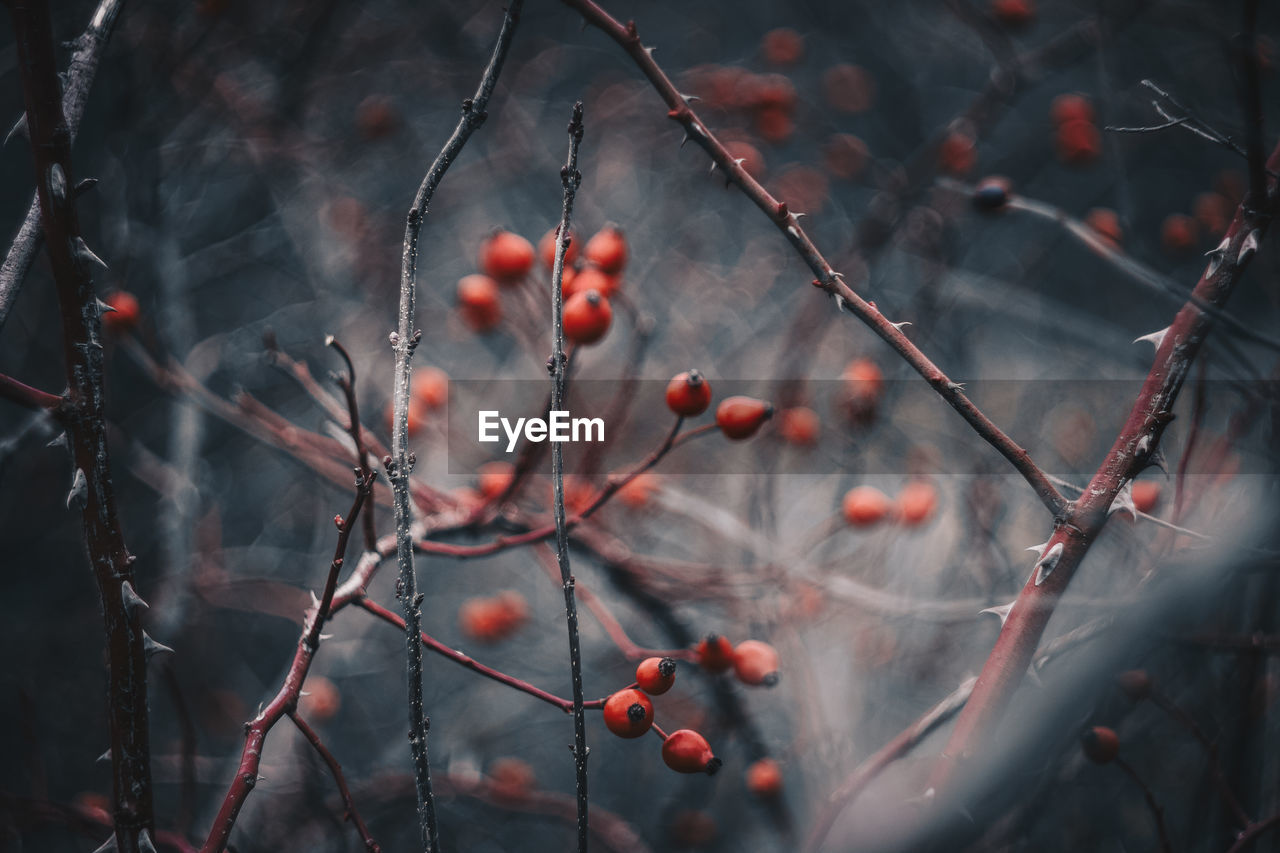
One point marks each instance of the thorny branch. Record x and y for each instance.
(128, 647)
(404, 340)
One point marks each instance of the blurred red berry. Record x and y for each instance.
(587, 316)
(506, 257)
(756, 663)
(1101, 745)
(864, 506)
(715, 653)
(783, 46)
(764, 778)
(125, 314)
(799, 426)
(739, 418)
(480, 302)
(607, 250)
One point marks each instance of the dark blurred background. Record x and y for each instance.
(255, 165)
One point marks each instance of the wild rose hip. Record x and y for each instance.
(688, 394)
(686, 751)
(756, 663)
(125, 311)
(586, 279)
(656, 675)
(916, 503)
(739, 418)
(715, 653)
(628, 713)
(864, 506)
(587, 317)
(607, 250)
(764, 778)
(1101, 745)
(479, 301)
(506, 257)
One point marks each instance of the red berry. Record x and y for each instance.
(1079, 142)
(752, 159)
(688, 394)
(607, 250)
(416, 420)
(764, 778)
(589, 278)
(495, 477)
(322, 700)
(656, 675)
(916, 503)
(715, 653)
(636, 493)
(756, 663)
(1100, 744)
(494, 618)
(376, 117)
(628, 713)
(1106, 223)
(957, 153)
(1071, 107)
(849, 88)
(1146, 494)
(506, 256)
(478, 296)
(799, 426)
(1213, 211)
(430, 387)
(1178, 233)
(587, 316)
(692, 828)
(1134, 683)
(512, 778)
(739, 418)
(774, 124)
(1013, 13)
(864, 506)
(126, 313)
(547, 249)
(782, 46)
(686, 751)
(863, 381)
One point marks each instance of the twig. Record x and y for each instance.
(1132, 451)
(335, 768)
(1157, 813)
(356, 431)
(1184, 719)
(404, 340)
(78, 79)
(1251, 102)
(1253, 832)
(828, 279)
(128, 647)
(286, 699)
(558, 364)
(24, 395)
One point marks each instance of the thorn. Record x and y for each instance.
(19, 129)
(85, 185)
(315, 602)
(326, 636)
(842, 303)
(106, 756)
(1159, 460)
(59, 440)
(104, 308)
(1033, 675)
(79, 489)
(739, 161)
(1248, 247)
(713, 167)
(58, 183)
(1039, 549)
(1001, 611)
(685, 140)
(150, 648)
(1143, 445)
(108, 845)
(1048, 563)
(650, 50)
(131, 598)
(1216, 256)
(797, 216)
(899, 326)
(689, 99)
(1155, 338)
(144, 842)
(1123, 501)
(84, 253)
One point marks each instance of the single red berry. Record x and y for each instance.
(607, 250)
(478, 297)
(430, 387)
(1013, 13)
(688, 394)
(799, 426)
(1079, 142)
(1101, 744)
(1134, 683)
(756, 663)
(376, 117)
(715, 653)
(636, 494)
(864, 506)
(1071, 107)
(783, 46)
(774, 124)
(1146, 494)
(628, 713)
(686, 751)
(764, 778)
(126, 311)
(512, 778)
(957, 154)
(506, 257)
(1106, 223)
(849, 88)
(495, 477)
(739, 418)
(656, 675)
(587, 316)
(588, 278)
(547, 249)
(916, 503)
(1178, 233)
(863, 381)
(322, 700)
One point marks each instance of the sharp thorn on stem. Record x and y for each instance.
(1000, 611)
(79, 489)
(19, 129)
(151, 648)
(1155, 338)
(1048, 563)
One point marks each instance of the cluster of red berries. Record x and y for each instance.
(739, 418)
(507, 259)
(428, 393)
(1211, 213)
(866, 506)
(1078, 140)
(629, 714)
(755, 663)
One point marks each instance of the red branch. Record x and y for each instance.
(24, 395)
(336, 769)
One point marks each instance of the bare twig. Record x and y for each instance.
(24, 395)
(404, 340)
(1157, 813)
(128, 647)
(335, 768)
(78, 79)
(558, 366)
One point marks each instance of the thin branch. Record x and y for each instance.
(1251, 102)
(77, 80)
(24, 395)
(356, 431)
(827, 278)
(558, 365)
(1133, 450)
(1255, 831)
(1157, 813)
(128, 647)
(404, 340)
(1182, 718)
(352, 813)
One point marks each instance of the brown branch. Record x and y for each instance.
(1131, 452)
(352, 813)
(828, 279)
(128, 647)
(1157, 813)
